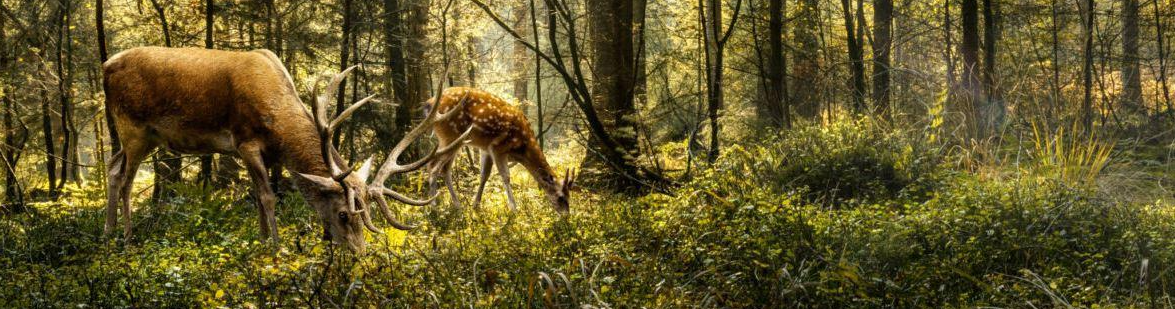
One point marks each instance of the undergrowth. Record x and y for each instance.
(848, 215)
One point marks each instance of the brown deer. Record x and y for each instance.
(503, 134)
(244, 103)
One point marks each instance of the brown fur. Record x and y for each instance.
(209, 101)
(499, 126)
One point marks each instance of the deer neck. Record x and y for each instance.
(300, 145)
(539, 169)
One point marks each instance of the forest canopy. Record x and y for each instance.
(725, 153)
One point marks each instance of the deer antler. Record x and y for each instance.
(326, 128)
(391, 165)
(339, 167)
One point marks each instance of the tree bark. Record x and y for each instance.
(344, 62)
(63, 94)
(882, 44)
(521, 57)
(775, 110)
(1087, 19)
(538, 76)
(611, 23)
(1131, 100)
(13, 195)
(1162, 49)
(992, 108)
(856, 59)
(206, 165)
(807, 69)
(100, 24)
(971, 86)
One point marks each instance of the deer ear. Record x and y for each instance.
(325, 184)
(364, 171)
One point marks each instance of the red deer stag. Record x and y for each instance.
(244, 103)
(503, 134)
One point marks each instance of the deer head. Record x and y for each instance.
(561, 194)
(342, 199)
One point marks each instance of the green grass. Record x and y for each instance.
(849, 215)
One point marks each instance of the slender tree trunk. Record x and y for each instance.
(947, 27)
(972, 87)
(394, 35)
(775, 109)
(1131, 100)
(206, 165)
(344, 62)
(1056, 65)
(99, 9)
(993, 106)
(522, 61)
(13, 195)
(807, 70)
(856, 59)
(1087, 19)
(63, 92)
(50, 141)
(1162, 49)
(882, 42)
(538, 76)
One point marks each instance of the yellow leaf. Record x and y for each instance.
(219, 294)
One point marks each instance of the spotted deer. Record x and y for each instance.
(502, 133)
(244, 104)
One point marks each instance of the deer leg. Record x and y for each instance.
(486, 165)
(250, 153)
(504, 170)
(448, 170)
(114, 176)
(122, 178)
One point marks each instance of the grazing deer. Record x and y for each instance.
(503, 134)
(244, 104)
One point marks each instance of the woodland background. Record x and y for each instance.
(734, 153)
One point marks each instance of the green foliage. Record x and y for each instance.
(844, 162)
(743, 234)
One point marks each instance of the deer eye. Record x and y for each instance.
(343, 217)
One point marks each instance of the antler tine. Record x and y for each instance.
(383, 206)
(340, 168)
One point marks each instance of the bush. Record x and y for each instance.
(847, 162)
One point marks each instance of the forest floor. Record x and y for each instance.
(842, 215)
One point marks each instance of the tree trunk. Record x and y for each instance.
(50, 149)
(206, 165)
(63, 94)
(992, 108)
(538, 76)
(1131, 100)
(394, 35)
(856, 59)
(1162, 49)
(971, 86)
(99, 23)
(13, 195)
(1087, 19)
(521, 57)
(611, 40)
(947, 36)
(775, 110)
(807, 69)
(882, 44)
(344, 62)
